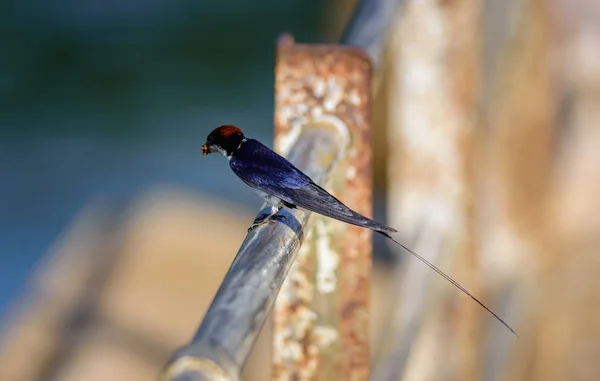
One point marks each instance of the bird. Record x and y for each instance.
(281, 184)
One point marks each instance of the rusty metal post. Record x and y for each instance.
(433, 84)
(321, 314)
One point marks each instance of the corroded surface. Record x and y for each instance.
(321, 321)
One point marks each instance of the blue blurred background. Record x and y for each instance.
(104, 98)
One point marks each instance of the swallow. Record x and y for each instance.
(281, 184)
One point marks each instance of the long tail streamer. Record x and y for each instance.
(455, 283)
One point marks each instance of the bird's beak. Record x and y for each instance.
(205, 150)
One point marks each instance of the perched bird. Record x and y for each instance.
(281, 184)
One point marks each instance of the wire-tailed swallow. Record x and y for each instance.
(281, 184)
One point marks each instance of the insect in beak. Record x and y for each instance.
(204, 150)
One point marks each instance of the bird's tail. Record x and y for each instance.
(443, 274)
(322, 202)
(349, 216)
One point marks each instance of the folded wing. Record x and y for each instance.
(263, 169)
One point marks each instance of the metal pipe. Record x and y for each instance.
(369, 26)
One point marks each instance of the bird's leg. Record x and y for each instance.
(266, 218)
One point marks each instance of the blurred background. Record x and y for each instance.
(107, 99)
(115, 233)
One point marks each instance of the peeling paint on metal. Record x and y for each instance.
(325, 335)
(327, 259)
(350, 172)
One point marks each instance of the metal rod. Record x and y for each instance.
(321, 314)
(369, 26)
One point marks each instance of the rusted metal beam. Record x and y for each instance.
(321, 314)
(320, 147)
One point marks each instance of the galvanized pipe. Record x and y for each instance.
(246, 295)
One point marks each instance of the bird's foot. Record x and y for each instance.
(265, 219)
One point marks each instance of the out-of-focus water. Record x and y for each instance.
(107, 98)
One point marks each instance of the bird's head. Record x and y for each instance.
(225, 139)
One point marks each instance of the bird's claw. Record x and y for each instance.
(265, 219)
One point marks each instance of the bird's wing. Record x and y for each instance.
(261, 168)
(265, 170)
(316, 199)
